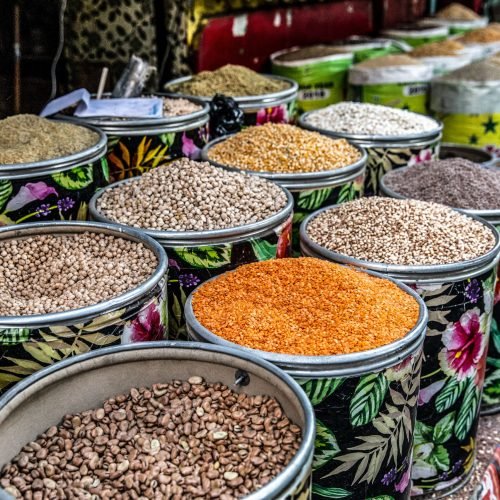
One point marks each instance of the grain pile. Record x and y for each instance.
(481, 35)
(48, 273)
(388, 61)
(436, 49)
(191, 196)
(283, 148)
(179, 107)
(304, 306)
(29, 138)
(457, 12)
(183, 439)
(402, 232)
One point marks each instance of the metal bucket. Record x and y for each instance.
(311, 190)
(388, 153)
(29, 343)
(490, 402)
(365, 405)
(136, 146)
(456, 295)
(196, 256)
(470, 153)
(277, 107)
(24, 414)
(51, 190)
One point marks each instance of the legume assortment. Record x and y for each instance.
(304, 306)
(370, 119)
(405, 232)
(29, 138)
(184, 439)
(231, 80)
(455, 182)
(47, 273)
(191, 196)
(283, 148)
(179, 107)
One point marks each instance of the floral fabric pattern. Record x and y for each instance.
(132, 155)
(455, 352)
(309, 200)
(24, 351)
(58, 197)
(193, 265)
(364, 431)
(283, 113)
(381, 160)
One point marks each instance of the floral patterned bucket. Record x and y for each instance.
(30, 343)
(196, 256)
(53, 190)
(313, 190)
(138, 145)
(490, 402)
(459, 299)
(115, 370)
(388, 153)
(278, 107)
(365, 405)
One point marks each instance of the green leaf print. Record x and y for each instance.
(495, 334)
(6, 189)
(105, 168)
(444, 429)
(76, 178)
(347, 193)
(449, 394)
(12, 336)
(368, 398)
(263, 249)
(325, 446)
(491, 389)
(440, 458)
(330, 492)
(381, 497)
(313, 199)
(210, 257)
(168, 139)
(468, 410)
(423, 433)
(318, 390)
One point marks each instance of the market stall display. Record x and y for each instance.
(444, 56)
(316, 169)
(209, 220)
(417, 34)
(398, 81)
(457, 18)
(262, 98)
(450, 259)
(70, 287)
(49, 170)
(392, 138)
(466, 185)
(163, 402)
(275, 310)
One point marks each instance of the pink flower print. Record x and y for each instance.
(421, 157)
(278, 114)
(146, 327)
(464, 346)
(402, 484)
(189, 148)
(30, 192)
(497, 292)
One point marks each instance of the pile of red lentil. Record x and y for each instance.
(305, 306)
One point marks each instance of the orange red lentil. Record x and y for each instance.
(304, 306)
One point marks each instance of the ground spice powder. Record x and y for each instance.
(304, 306)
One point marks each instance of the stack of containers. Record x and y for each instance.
(467, 186)
(392, 138)
(458, 19)
(451, 261)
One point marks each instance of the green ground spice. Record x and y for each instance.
(230, 80)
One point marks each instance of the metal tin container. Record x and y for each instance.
(387, 153)
(459, 298)
(310, 190)
(24, 414)
(365, 405)
(196, 256)
(470, 153)
(276, 107)
(29, 343)
(490, 402)
(56, 189)
(138, 145)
